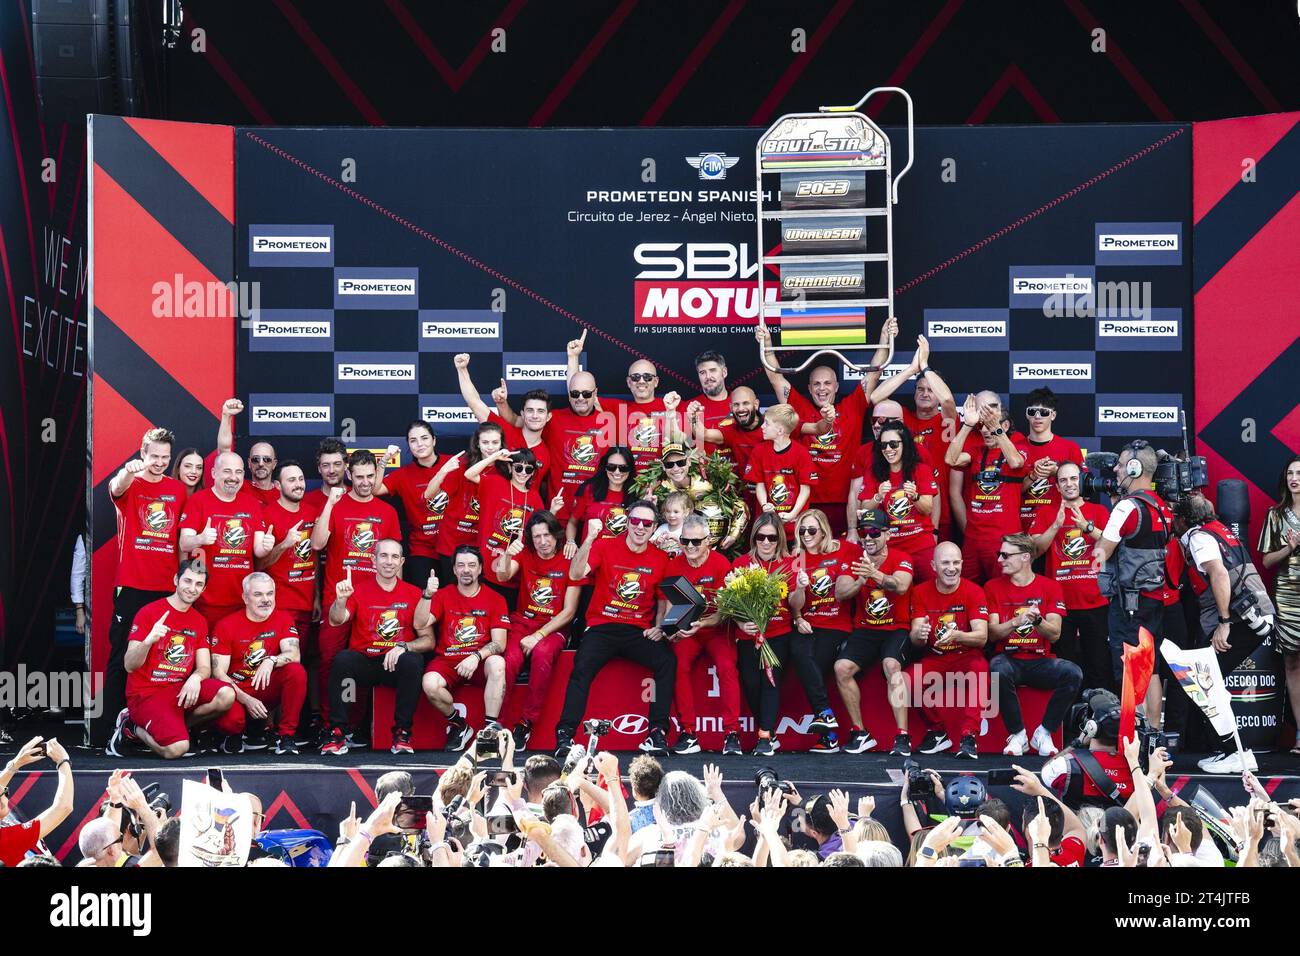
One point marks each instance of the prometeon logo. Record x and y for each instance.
(291, 413)
(964, 330)
(1067, 370)
(1137, 414)
(354, 372)
(291, 243)
(376, 286)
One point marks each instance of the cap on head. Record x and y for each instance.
(874, 518)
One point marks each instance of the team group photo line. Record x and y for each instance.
(961, 551)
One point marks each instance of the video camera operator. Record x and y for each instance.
(1131, 559)
(1093, 769)
(1236, 614)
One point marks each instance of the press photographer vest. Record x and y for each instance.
(1231, 552)
(1242, 577)
(1138, 564)
(1075, 785)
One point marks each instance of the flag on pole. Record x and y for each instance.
(1198, 673)
(1139, 663)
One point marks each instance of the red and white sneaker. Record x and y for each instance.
(402, 741)
(336, 745)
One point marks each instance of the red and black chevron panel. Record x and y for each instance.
(1246, 206)
(163, 212)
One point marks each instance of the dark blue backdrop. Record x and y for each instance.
(469, 212)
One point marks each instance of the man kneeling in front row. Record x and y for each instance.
(169, 684)
(472, 625)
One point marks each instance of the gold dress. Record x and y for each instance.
(1286, 589)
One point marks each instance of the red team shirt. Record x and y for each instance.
(947, 612)
(423, 515)
(248, 643)
(171, 658)
(881, 610)
(516, 441)
(992, 505)
(503, 511)
(820, 608)
(740, 441)
(465, 623)
(230, 559)
(1041, 492)
(575, 444)
(781, 473)
(707, 578)
(543, 585)
(381, 619)
(355, 526)
(908, 528)
(611, 512)
(932, 436)
(148, 525)
(716, 411)
(781, 622)
(1069, 556)
(647, 426)
(295, 572)
(460, 515)
(833, 454)
(1008, 600)
(625, 583)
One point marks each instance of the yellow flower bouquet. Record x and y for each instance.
(753, 596)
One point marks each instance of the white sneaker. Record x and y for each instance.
(1017, 743)
(1230, 763)
(1042, 742)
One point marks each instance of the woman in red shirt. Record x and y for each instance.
(827, 619)
(459, 498)
(767, 550)
(188, 470)
(603, 496)
(903, 487)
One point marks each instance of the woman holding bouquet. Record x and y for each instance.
(760, 670)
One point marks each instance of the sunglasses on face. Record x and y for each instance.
(621, 469)
(872, 532)
(261, 459)
(769, 538)
(892, 444)
(1037, 412)
(809, 531)
(641, 522)
(642, 377)
(523, 469)
(578, 393)
(692, 542)
(679, 463)
(1004, 555)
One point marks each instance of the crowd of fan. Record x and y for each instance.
(581, 814)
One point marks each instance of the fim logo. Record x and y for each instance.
(712, 165)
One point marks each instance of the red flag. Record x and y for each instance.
(1139, 663)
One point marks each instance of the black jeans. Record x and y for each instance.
(1085, 640)
(600, 645)
(764, 699)
(366, 671)
(813, 655)
(126, 605)
(1056, 674)
(1124, 629)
